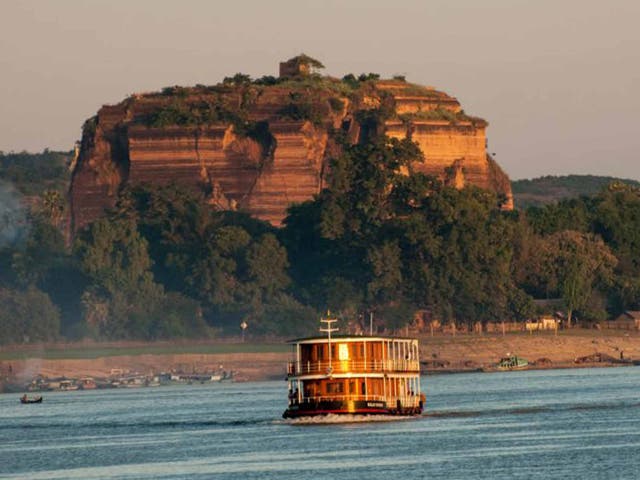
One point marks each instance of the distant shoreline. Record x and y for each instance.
(267, 361)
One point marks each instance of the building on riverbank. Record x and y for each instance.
(629, 320)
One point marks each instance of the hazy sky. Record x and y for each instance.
(558, 81)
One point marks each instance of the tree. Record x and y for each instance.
(362, 191)
(27, 316)
(303, 59)
(580, 264)
(44, 261)
(114, 255)
(42, 250)
(569, 214)
(457, 252)
(53, 207)
(335, 242)
(232, 264)
(617, 221)
(394, 242)
(267, 266)
(386, 284)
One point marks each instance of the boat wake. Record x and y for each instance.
(144, 425)
(528, 410)
(332, 419)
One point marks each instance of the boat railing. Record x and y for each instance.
(340, 398)
(390, 401)
(352, 366)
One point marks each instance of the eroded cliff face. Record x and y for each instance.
(259, 148)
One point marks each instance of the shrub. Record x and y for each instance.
(336, 104)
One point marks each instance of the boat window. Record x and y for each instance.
(335, 387)
(343, 351)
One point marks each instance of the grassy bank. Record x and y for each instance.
(79, 352)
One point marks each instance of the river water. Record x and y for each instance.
(582, 424)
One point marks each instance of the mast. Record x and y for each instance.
(329, 329)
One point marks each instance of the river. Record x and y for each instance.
(581, 423)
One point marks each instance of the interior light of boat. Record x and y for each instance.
(343, 351)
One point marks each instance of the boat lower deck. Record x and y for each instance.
(357, 407)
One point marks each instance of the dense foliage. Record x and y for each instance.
(380, 239)
(34, 173)
(163, 264)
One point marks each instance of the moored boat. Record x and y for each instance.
(512, 362)
(87, 383)
(67, 385)
(25, 399)
(360, 375)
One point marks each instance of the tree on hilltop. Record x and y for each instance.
(303, 59)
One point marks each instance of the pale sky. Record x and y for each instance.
(558, 81)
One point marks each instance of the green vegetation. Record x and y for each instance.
(298, 109)
(27, 316)
(303, 59)
(239, 79)
(163, 265)
(181, 113)
(550, 189)
(377, 240)
(441, 114)
(337, 105)
(34, 173)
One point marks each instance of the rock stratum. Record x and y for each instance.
(259, 146)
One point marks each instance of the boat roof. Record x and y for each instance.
(349, 338)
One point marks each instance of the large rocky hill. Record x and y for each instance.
(260, 145)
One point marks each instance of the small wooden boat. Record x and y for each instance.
(25, 399)
(512, 363)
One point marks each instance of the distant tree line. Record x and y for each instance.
(34, 173)
(551, 189)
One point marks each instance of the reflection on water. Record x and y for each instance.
(534, 424)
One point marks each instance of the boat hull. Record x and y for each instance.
(341, 407)
(30, 400)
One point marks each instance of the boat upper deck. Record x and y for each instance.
(351, 339)
(354, 355)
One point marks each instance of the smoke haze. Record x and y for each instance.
(13, 215)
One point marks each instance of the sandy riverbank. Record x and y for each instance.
(561, 351)
(463, 352)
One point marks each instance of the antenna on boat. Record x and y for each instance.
(328, 330)
(371, 324)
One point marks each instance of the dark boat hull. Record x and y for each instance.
(358, 407)
(31, 400)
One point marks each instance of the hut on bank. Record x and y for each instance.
(629, 320)
(546, 322)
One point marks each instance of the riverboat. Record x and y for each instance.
(358, 375)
